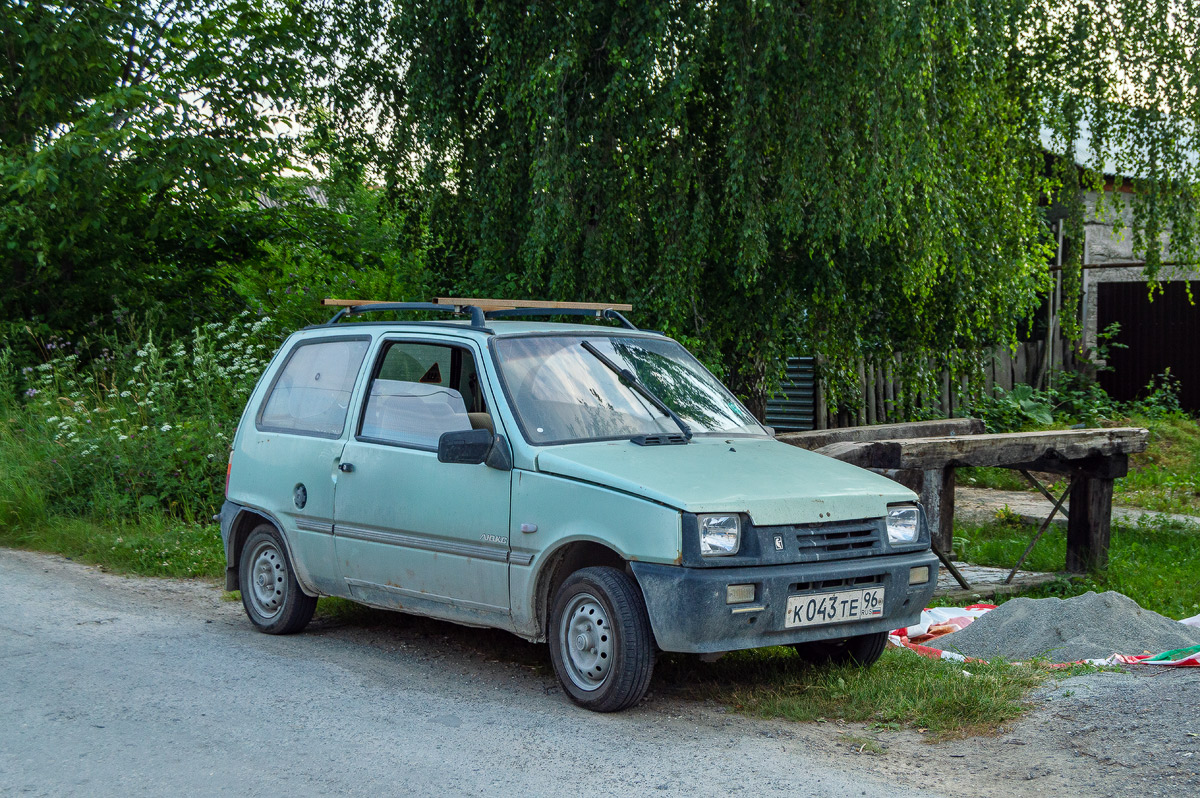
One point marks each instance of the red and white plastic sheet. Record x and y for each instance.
(940, 621)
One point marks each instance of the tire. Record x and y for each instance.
(861, 650)
(270, 592)
(600, 640)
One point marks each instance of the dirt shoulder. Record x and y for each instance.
(1097, 734)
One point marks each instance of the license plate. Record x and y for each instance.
(821, 608)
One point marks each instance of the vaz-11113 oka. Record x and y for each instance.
(590, 486)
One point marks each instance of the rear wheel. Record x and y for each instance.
(270, 592)
(600, 640)
(861, 650)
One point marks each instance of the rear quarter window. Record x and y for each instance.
(311, 393)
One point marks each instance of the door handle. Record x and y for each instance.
(345, 468)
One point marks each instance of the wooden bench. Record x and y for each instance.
(923, 456)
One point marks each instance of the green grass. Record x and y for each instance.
(901, 689)
(1153, 562)
(994, 478)
(153, 545)
(1166, 477)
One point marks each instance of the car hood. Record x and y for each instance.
(774, 482)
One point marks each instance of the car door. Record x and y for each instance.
(412, 532)
(286, 459)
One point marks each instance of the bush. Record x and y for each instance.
(1075, 399)
(143, 426)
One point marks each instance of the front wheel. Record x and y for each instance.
(270, 592)
(600, 640)
(861, 650)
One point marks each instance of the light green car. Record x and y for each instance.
(587, 485)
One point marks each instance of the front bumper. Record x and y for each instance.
(688, 612)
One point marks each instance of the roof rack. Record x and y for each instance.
(510, 304)
(502, 308)
(481, 310)
(353, 307)
(606, 313)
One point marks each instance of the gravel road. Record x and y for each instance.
(127, 686)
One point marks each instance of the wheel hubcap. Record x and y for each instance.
(268, 582)
(586, 642)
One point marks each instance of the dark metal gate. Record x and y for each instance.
(794, 405)
(1158, 335)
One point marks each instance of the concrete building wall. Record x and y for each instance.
(1104, 246)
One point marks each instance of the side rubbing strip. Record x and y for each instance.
(424, 544)
(314, 526)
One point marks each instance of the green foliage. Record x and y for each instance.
(1160, 399)
(353, 244)
(144, 427)
(1013, 409)
(135, 136)
(866, 177)
(1074, 399)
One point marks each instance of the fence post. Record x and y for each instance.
(820, 412)
(861, 414)
(869, 392)
(889, 392)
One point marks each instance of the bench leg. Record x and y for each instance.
(1088, 526)
(937, 496)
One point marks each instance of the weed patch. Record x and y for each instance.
(949, 699)
(152, 545)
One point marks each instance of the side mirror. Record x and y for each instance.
(474, 446)
(468, 446)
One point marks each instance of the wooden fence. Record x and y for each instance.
(802, 404)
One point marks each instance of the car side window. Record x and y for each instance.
(311, 393)
(421, 391)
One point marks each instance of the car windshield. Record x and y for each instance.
(562, 393)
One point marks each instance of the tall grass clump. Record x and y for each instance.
(120, 431)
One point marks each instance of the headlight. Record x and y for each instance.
(903, 523)
(719, 535)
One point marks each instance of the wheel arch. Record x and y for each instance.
(564, 561)
(245, 522)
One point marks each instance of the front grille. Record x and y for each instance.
(837, 540)
(857, 581)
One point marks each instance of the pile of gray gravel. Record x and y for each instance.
(1091, 626)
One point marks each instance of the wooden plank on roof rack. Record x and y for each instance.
(350, 303)
(512, 304)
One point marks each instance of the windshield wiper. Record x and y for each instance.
(633, 382)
